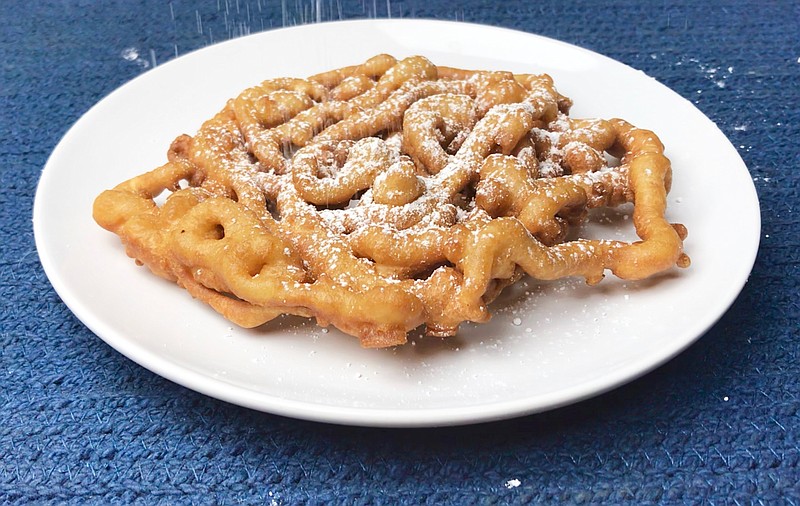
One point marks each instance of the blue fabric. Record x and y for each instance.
(79, 423)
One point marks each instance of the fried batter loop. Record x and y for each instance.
(393, 194)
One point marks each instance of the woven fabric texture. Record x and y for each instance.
(720, 423)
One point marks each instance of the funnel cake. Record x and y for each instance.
(393, 194)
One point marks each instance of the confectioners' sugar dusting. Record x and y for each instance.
(427, 211)
(433, 210)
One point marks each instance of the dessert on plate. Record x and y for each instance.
(390, 195)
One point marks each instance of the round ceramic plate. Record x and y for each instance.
(549, 344)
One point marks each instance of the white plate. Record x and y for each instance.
(548, 345)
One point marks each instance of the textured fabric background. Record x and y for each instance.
(79, 423)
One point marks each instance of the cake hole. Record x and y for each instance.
(216, 233)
